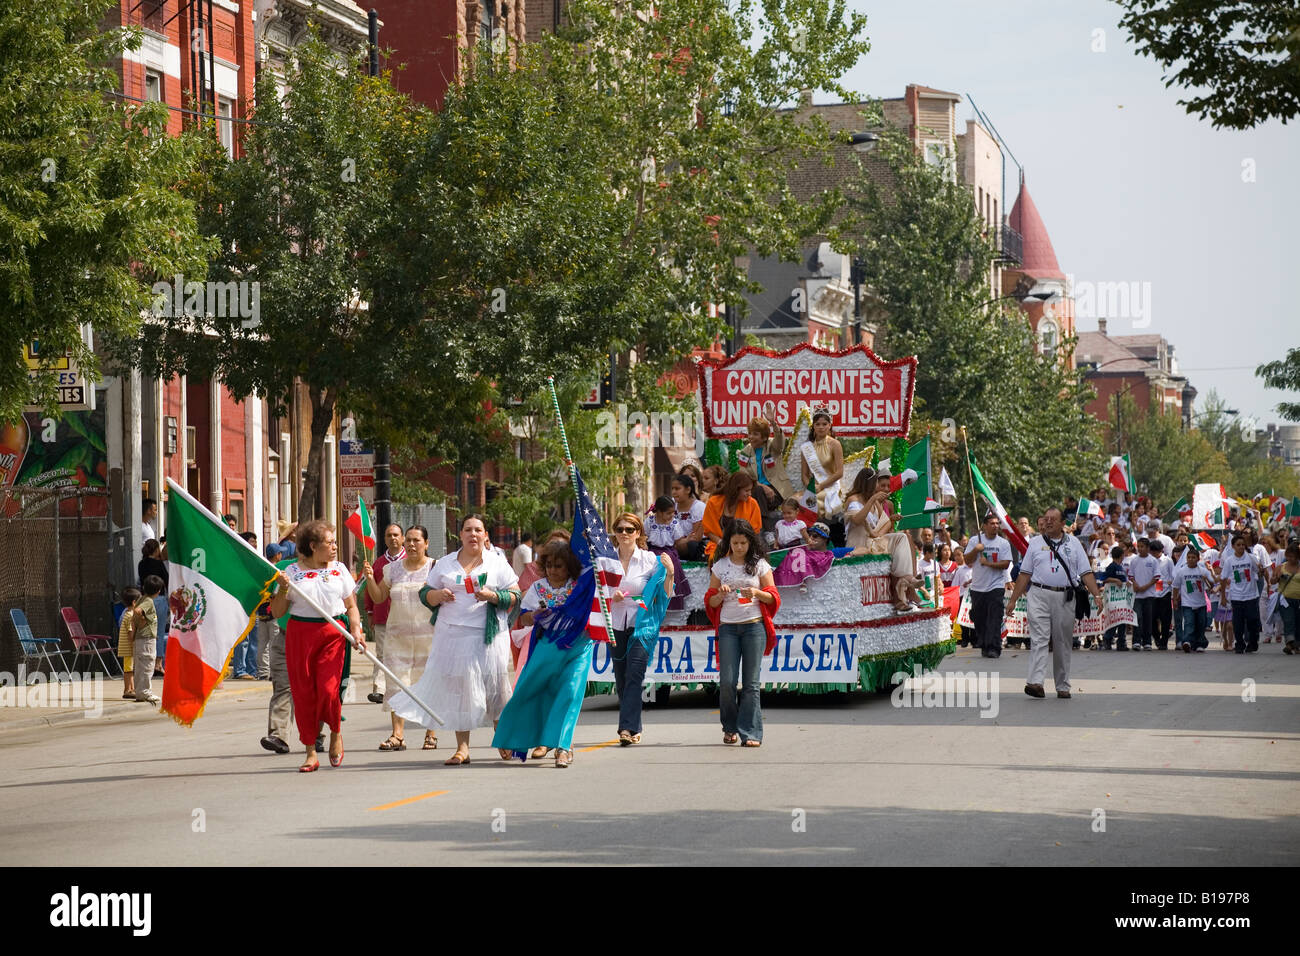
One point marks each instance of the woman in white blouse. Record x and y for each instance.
(631, 656)
(467, 677)
(408, 638)
(313, 646)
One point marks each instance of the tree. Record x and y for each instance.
(303, 214)
(89, 212)
(1246, 469)
(1167, 458)
(920, 240)
(1284, 373)
(1244, 53)
(593, 198)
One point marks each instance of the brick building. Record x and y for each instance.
(1143, 366)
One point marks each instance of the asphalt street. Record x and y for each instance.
(1159, 759)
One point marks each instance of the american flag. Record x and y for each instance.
(591, 544)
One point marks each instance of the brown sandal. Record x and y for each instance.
(505, 754)
(430, 740)
(752, 743)
(540, 752)
(456, 759)
(393, 742)
(731, 738)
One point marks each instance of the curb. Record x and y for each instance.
(120, 712)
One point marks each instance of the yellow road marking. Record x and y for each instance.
(402, 803)
(608, 743)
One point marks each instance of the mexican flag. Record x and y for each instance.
(1010, 530)
(916, 496)
(360, 525)
(1293, 511)
(1181, 507)
(1121, 474)
(1089, 507)
(1202, 540)
(217, 583)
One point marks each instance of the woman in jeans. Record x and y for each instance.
(630, 656)
(740, 578)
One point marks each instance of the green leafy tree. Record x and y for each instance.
(1245, 469)
(920, 239)
(1244, 55)
(89, 209)
(303, 214)
(593, 198)
(1284, 373)
(1168, 459)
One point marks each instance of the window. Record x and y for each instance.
(486, 21)
(153, 88)
(1048, 331)
(225, 125)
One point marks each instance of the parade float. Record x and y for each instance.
(837, 630)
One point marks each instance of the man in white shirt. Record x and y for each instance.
(988, 555)
(1053, 566)
(523, 553)
(1155, 532)
(148, 515)
(1142, 575)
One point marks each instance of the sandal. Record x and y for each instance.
(624, 738)
(752, 743)
(540, 752)
(393, 742)
(731, 738)
(309, 767)
(636, 738)
(563, 758)
(430, 740)
(456, 759)
(506, 754)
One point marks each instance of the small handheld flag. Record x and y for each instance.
(1089, 507)
(359, 524)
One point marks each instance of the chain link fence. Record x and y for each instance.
(53, 554)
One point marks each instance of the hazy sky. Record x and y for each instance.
(1130, 187)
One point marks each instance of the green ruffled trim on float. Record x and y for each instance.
(875, 673)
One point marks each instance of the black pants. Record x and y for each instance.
(1163, 624)
(1144, 609)
(986, 609)
(630, 659)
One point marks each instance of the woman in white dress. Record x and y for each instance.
(467, 677)
(409, 636)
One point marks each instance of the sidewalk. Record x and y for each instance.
(114, 708)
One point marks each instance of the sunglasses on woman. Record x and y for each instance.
(626, 529)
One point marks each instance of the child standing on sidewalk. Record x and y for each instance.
(1114, 572)
(145, 615)
(126, 640)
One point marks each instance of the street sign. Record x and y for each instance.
(356, 474)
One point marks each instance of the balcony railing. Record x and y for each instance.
(1010, 244)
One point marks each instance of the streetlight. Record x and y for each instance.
(863, 143)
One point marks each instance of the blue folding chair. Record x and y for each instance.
(37, 649)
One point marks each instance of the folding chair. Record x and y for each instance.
(87, 644)
(37, 649)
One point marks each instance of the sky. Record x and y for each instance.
(1130, 187)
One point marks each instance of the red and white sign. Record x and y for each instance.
(876, 589)
(867, 396)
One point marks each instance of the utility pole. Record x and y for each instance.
(383, 472)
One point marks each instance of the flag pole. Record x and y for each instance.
(174, 487)
(573, 478)
(971, 478)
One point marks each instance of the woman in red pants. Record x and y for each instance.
(313, 647)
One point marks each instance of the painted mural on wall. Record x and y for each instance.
(40, 452)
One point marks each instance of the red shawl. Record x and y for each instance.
(767, 610)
